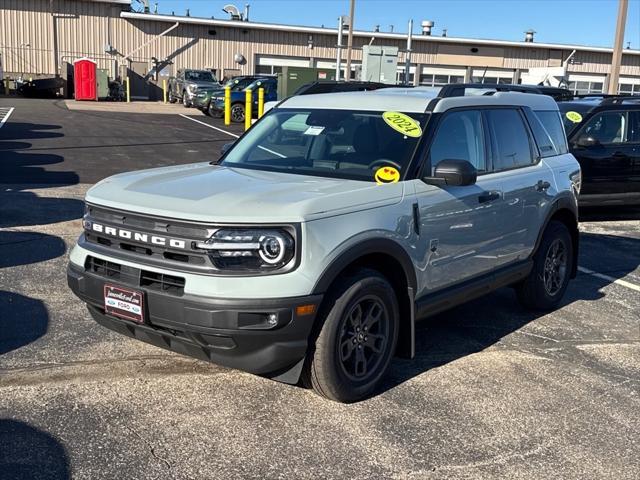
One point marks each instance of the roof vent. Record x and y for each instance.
(427, 25)
(528, 35)
(233, 11)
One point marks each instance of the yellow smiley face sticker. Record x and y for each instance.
(575, 117)
(402, 123)
(387, 175)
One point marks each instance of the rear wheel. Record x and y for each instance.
(237, 113)
(552, 265)
(357, 339)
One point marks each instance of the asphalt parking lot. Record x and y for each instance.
(495, 391)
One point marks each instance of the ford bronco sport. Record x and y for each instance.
(307, 252)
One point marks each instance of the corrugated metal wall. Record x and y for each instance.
(85, 28)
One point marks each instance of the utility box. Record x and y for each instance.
(379, 64)
(85, 79)
(102, 82)
(293, 78)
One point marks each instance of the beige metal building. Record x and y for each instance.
(38, 36)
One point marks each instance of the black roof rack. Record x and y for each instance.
(459, 89)
(619, 99)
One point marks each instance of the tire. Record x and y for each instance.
(237, 113)
(348, 360)
(172, 98)
(185, 100)
(552, 265)
(212, 112)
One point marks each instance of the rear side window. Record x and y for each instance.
(460, 137)
(552, 123)
(510, 138)
(546, 146)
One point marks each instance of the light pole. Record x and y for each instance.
(339, 48)
(347, 75)
(616, 61)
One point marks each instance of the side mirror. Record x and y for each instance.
(586, 142)
(453, 172)
(225, 148)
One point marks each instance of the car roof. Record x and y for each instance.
(416, 100)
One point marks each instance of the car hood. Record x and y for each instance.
(206, 85)
(210, 193)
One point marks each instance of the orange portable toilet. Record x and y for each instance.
(84, 79)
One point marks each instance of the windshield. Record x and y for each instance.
(199, 76)
(358, 145)
(238, 83)
(573, 113)
(256, 84)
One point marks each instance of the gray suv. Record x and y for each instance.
(188, 82)
(309, 250)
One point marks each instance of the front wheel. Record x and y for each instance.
(185, 100)
(552, 265)
(213, 112)
(237, 113)
(357, 340)
(172, 97)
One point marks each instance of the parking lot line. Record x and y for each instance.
(207, 125)
(6, 116)
(232, 134)
(622, 283)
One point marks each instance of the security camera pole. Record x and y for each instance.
(347, 75)
(616, 61)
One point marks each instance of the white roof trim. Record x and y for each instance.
(361, 33)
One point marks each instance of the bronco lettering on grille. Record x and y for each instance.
(137, 236)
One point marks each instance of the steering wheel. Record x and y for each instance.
(383, 162)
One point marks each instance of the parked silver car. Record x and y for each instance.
(310, 249)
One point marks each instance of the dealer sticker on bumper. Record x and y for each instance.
(124, 303)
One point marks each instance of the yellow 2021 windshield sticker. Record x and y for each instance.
(402, 123)
(575, 117)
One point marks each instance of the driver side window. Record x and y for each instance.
(606, 128)
(460, 136)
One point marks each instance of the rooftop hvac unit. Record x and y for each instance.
(379, 64)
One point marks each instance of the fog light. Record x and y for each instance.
(272, 319)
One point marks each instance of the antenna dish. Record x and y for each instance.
(233, 11)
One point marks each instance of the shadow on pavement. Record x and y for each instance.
(481, 323)
(22, 321)
(28, 453)
(24, 248)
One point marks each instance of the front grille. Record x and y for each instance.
(170, 284)
(162, 282)
(187, 234)
(103, 268)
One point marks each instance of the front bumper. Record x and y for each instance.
(232, 333)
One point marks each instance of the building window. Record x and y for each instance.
(629, 89)
(437, 80)
(583, 87)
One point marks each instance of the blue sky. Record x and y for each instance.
(586, 22)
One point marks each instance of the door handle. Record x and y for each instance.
(488, 196)
(541, 186)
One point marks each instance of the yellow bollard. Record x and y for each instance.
(227, 105)
(260, 102)
(126, 80)
(247, 108)
(164, 90)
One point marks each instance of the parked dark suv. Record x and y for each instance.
(604, 136)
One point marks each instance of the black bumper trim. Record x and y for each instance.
(229, 332)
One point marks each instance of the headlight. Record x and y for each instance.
(250, 249)
(193, 88)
